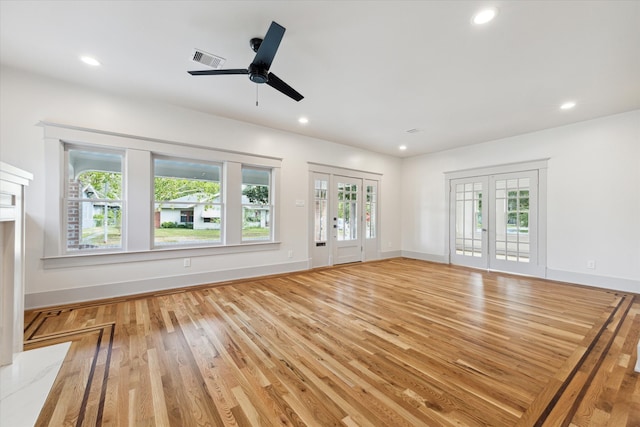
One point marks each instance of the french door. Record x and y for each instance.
(344, 218)
(494, 222)
(347, 220)
(469, 243)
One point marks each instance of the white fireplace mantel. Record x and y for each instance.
(12, 185)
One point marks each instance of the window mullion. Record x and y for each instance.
(138, 193)
(233, 203)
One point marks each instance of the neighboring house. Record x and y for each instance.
(92, 212)
(191, 209)
(194, 209)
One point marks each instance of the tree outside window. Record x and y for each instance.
(93, 199)
(256, 207)
(187, 202)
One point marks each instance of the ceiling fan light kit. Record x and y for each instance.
(258, 70)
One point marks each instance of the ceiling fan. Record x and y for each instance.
(258, 70)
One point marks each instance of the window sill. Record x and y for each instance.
(107, 258)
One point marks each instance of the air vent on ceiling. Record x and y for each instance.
(207, 59)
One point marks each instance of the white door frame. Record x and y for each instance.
(324, 255)
(540, 165)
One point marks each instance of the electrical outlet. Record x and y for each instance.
(186, 262)
(591, 264)
(290, 254)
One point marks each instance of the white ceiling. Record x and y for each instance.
(369, 70)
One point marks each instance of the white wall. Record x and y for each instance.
(593, 189)
(593, 197)
(26, 99)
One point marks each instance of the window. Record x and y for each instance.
(186, 217)
(347, 222)
(187, 201)
(370, 211)
(122, 198)
(93, 199)
(256, 206)
(321, 210)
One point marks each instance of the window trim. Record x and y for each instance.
(158, 254)
(137, 242)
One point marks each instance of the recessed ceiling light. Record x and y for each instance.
(484, 16)
(402, 147)
(89, 61)
(303, 120)
(568, 105)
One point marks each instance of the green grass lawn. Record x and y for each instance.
(185, 235)
(95, 235)
(177, 235)
(255, 233)
(169, 233)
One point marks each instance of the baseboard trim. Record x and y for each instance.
(604, 282)
(390, 254)
(442, 259)
(119, 289)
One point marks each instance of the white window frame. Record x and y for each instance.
(138, 176)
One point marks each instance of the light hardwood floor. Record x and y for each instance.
(392, 343)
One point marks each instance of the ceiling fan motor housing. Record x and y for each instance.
(258, 74)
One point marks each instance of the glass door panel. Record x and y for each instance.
(321, 206)
(468, 218)
(513, 228)
(371, 204)
(370, 230)
(347, 223)
(321, 213)
(347, 220)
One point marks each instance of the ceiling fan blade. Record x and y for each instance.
(216, 72)
(269, 46)
(275, 82)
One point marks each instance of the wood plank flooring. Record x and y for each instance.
(392, 343)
